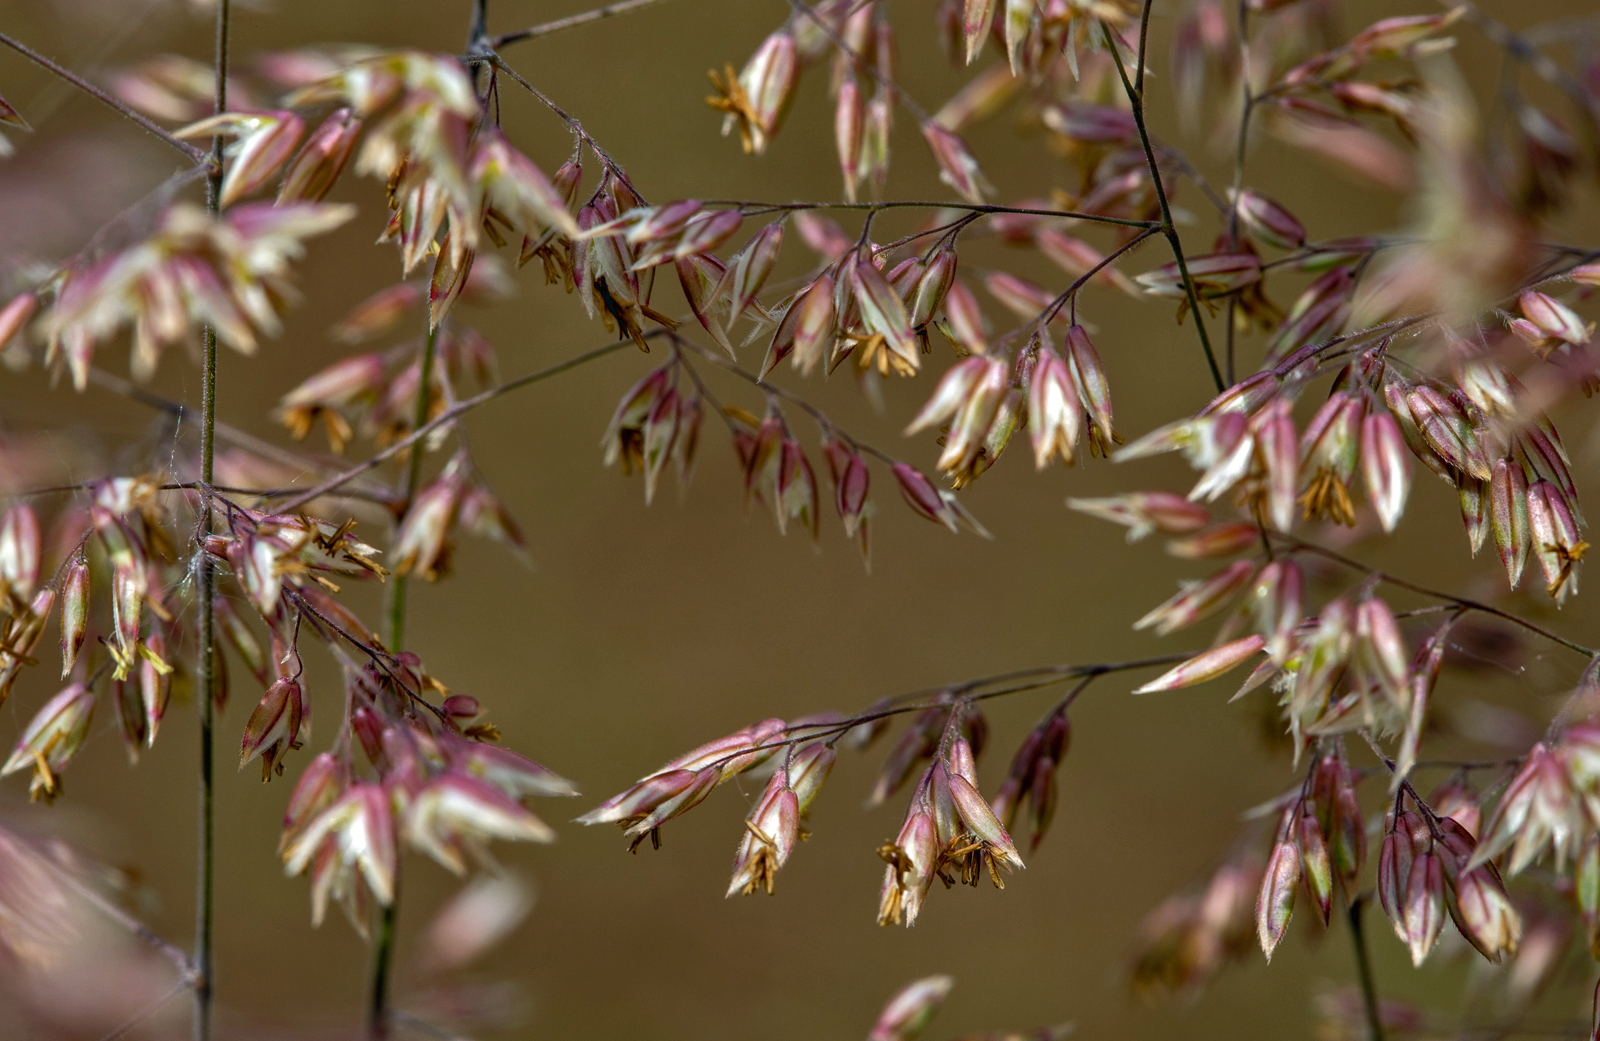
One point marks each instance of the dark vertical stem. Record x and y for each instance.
(1168, 228)
(478, 32)
(383, 945)
(205, 888)
(1238, 162)
(378, 1015)
(396, 609)
(1369, 991)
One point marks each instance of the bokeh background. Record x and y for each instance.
(636, 633)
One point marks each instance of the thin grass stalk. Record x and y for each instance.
(1369, 990)
(205, 894)
(378, 1014)
(1168, 228)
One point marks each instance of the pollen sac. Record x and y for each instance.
(771, 830)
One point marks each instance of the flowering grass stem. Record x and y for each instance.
(395, 621)
(205, 889)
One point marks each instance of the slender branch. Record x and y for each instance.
(1144, 40)
(948, 696)
(205, 889)
(561, 114)
(570, 22)
(171, 951)
(478, 30)
(448, 415)
(1071, 291)
(195, 155)
(191, 486)
(752, 208)
(1136, 99)
(1524, 52)
(1460, 601)
(379, 1016)
(133, 1022)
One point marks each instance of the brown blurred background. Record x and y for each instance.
(637, 633)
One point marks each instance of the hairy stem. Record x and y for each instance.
(205, 890)
(214, 159)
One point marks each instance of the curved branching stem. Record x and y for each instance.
(1168, 228)
(1071, 292)
(562, 114)
(196, 155)
(1465, 603)
(948, 697)
(570, 22)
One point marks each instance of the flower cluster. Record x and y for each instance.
(1321, 840)
(120, 532)
(229, 274)
(1431, 865)
(949, 833)
(656, 425)
(437, 785)
(862, 42)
